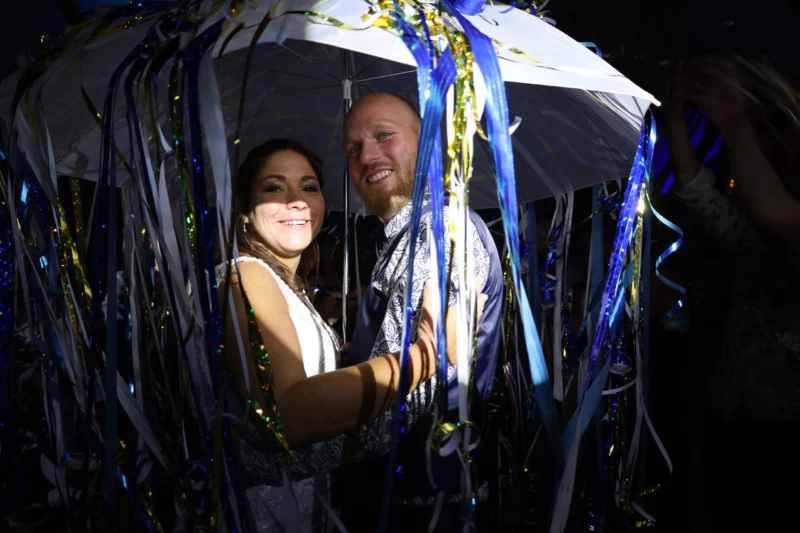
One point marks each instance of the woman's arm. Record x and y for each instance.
(759, 189)
(326, 405)
(681, 151)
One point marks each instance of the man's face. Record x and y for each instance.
(381, 136)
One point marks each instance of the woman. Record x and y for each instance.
(279, 210)
(753, 382)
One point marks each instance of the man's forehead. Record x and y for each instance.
(381, 107)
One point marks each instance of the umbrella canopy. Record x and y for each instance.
(580, 118)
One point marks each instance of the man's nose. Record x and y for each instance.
(369, 153)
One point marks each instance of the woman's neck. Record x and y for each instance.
(289, 263)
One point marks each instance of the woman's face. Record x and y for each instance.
(287, 206)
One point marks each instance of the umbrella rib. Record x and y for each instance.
(386, 76)
(306, 89)
(363, 70)
(312, 64)
(267, 69)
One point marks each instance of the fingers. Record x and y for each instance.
(429, 296)
(482, 298)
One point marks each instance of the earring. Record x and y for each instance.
(244, 226)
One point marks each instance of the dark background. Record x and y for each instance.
(637, 37)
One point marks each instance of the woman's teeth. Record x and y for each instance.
(294, 223)
(379, 176)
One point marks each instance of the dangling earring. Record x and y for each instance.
(244, 227)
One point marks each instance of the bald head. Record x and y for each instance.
(388, 101)
(381, 133)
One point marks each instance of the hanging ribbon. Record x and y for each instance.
(500, 141)
(611, 304)
(434, 109)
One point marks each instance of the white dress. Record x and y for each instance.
(271, 500)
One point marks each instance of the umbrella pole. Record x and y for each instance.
(347, 102)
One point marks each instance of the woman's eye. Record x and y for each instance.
(272, 188)
(312, 188)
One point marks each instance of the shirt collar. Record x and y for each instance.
(396, 224)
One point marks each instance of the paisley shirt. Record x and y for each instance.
(390, 279)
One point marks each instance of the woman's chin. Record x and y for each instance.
(294, 249)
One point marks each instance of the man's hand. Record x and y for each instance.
(427, 319)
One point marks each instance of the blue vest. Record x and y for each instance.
(356, 488)
(374, 304)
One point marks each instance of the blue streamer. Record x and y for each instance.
(597, 267)
(437, 219)
(644, 295)
(204, 235)
(596, 48)
(469, 7)
(625, 225)
(671, 249)
(424, 59)
(206, 231)
(612, 299)
(497, 120)
(105, 266)
(8, 433)
(696, 127)
(434, 109)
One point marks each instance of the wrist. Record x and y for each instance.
(423, 356)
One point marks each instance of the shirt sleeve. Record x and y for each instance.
(717, 214)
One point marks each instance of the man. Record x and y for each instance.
(381, 137)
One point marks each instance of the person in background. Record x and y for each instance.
(751, 395)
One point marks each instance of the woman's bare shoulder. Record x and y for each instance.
(262, 288)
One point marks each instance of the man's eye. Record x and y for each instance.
(354, 150)
(385, 134)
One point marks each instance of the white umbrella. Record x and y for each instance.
(580, 117)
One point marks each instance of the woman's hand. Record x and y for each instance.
(681, 150)
(426, 337)
(344, 349)
(717, 87)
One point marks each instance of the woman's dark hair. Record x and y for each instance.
(249, 242)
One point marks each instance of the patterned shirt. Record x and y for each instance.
(390, 278)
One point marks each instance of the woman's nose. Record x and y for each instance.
(295, 200)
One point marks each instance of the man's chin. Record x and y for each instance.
(386, 208)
